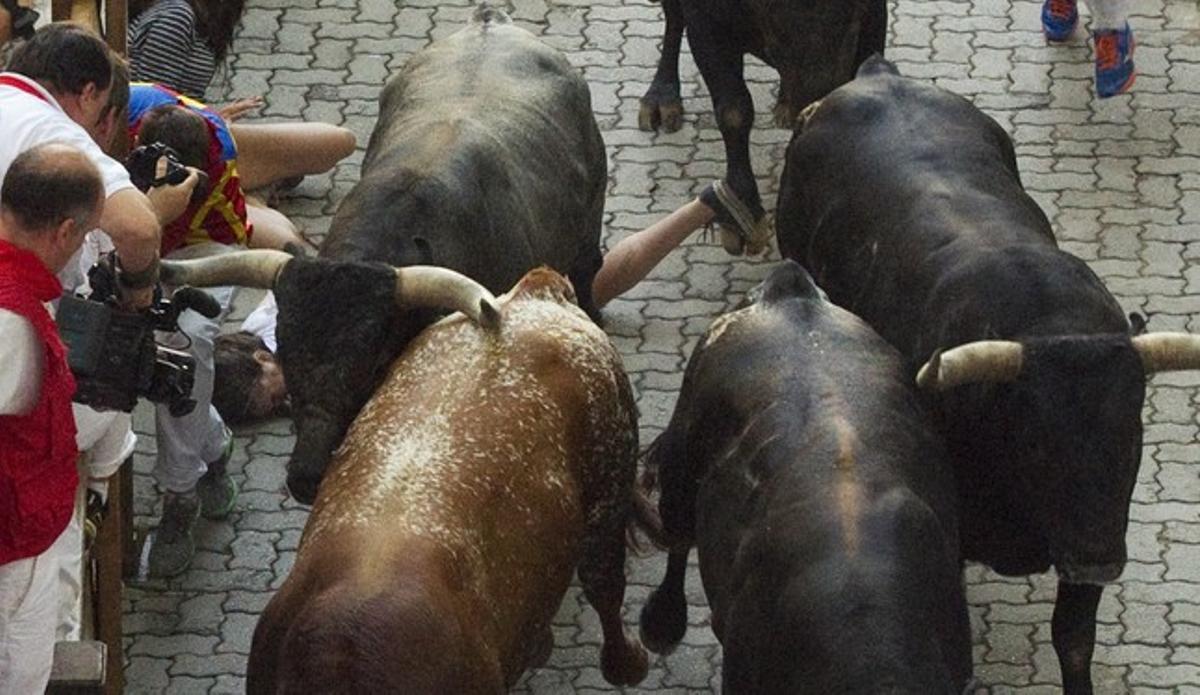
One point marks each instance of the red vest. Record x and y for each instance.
(38, 476)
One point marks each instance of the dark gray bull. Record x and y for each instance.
(821, 502)
(816, 45)
(486, 159)
(921, 226)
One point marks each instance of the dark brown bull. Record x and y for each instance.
(816, 45)
(487, 467)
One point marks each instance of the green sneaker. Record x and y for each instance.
(172, 547)
(216, 489)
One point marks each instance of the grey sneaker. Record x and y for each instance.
(172, 547)
(216, 489)
(739, 232)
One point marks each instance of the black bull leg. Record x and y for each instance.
(664, 617)
(661, 105)
(623, 661)
(1073, 631)
(722, 67)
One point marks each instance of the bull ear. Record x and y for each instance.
(431, 286)
(1165, 352)
(258, 268)
(992, 361)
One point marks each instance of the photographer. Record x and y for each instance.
(194, 449)
(65, 85)
(50, 197)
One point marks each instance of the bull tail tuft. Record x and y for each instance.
(486, 14)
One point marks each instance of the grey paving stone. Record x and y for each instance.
(1120, 179)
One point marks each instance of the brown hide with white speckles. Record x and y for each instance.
(485, 469)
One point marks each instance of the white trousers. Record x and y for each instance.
(187, 444)
(30, 602)
(1109, 14)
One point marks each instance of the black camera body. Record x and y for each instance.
(113, 353)
(23, 19)
(142, 164)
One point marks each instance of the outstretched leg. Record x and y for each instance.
(1073, 631)
(270, 152)
(661, 105)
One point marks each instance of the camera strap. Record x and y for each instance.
(20, 83)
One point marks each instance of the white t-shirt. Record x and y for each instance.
(27, 121)
(261, 321)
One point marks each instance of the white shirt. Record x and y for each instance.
(27, 121)
(261, 322)
(20, 364)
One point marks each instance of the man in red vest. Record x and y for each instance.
(50, 197)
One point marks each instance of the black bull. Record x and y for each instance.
(805, 470)
(816, 45)
(905, 203)
(486, 159)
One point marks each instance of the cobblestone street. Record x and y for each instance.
(1120, 179)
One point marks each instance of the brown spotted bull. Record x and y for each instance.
(487, 467)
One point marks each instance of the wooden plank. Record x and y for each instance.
(109, 556)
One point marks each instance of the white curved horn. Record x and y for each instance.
(982, 361)
(432, 286)
(258, 268)
(1166, 352)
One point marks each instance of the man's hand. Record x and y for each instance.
(239, 108)
(170, 202)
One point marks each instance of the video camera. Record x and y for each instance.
(112, 352)
(23, 19)
(142, 164)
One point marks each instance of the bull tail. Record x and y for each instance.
(486, 14)
(645, 523)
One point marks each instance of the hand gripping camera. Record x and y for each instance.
(142, 164)
(112, 352)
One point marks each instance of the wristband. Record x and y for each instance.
(139, 280)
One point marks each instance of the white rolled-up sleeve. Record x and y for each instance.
(20, 364)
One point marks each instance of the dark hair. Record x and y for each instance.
(50, 183)
(66, 57)
(216, 21)
(118, 97)
(235, 374)
(180, 127)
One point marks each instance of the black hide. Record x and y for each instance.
(486, 159)
(905, 203)
(816, 45)
(801, 463)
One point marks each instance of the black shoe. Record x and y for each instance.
(172, 546)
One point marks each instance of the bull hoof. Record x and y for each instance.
(624, 664)
(665, 115)
(302, 490)
(663, 623)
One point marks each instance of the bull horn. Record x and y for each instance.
(432, 286)
(258, 268)
(1165, 352)
(982, 361)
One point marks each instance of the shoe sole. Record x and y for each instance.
(223, 511)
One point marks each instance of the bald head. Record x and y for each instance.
(49, 184)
